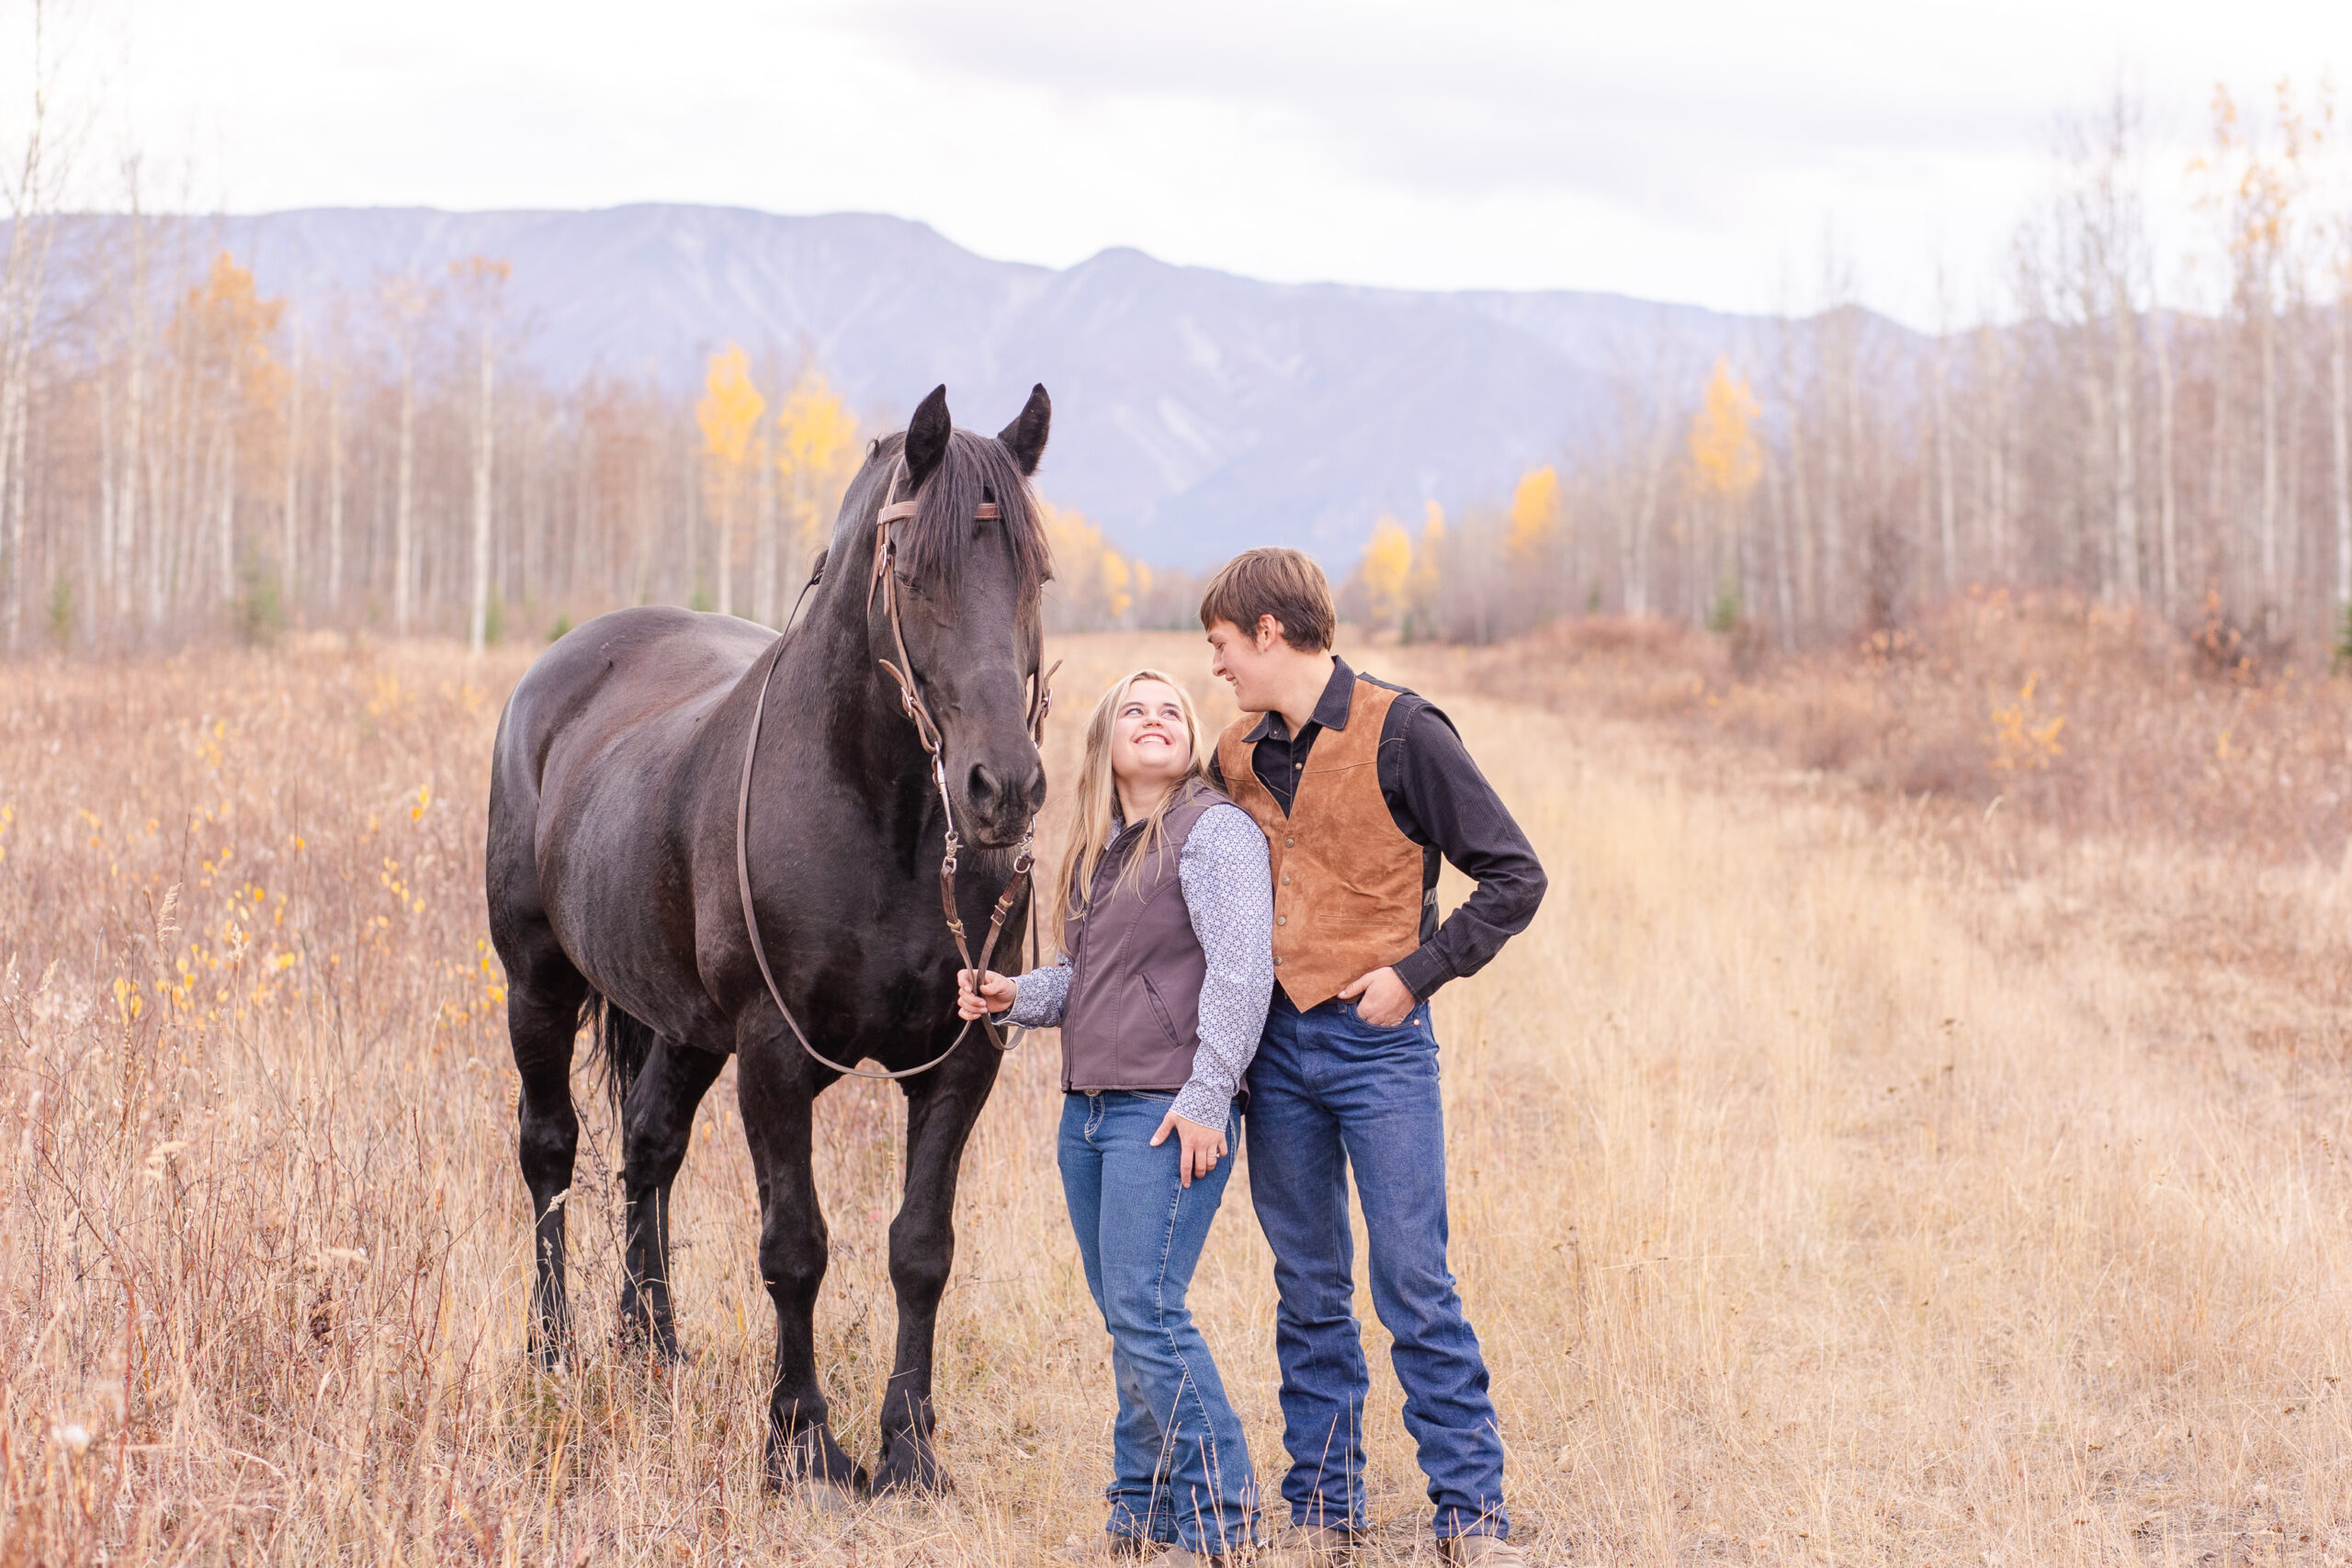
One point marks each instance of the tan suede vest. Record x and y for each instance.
(1347, 882)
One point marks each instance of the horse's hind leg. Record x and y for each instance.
(543, 1001)
(658, 1122)
(777, 1106)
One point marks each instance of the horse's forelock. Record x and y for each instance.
(934, 541)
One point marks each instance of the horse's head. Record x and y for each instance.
(965, 585)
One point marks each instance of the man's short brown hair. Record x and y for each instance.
(1284, 584)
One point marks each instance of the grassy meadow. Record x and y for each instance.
(1909, 1134)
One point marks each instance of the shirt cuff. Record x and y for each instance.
(1038, 1003)
(1198, 1102)
(1423, 971)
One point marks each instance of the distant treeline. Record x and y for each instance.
(183, 456)
(2169, 435)
(180, 456)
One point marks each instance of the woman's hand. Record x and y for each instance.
(1201, 1147)
(994, 994)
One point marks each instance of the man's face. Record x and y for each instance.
(1247, 664)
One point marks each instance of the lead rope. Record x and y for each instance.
(926, 731)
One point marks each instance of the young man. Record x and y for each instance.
(1360, 787)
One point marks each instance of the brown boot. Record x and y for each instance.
(1310, 1546)
(1485, 1551)
(1109, 1548)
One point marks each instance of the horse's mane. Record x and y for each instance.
(933, 542)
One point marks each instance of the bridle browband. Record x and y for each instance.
(885, 582)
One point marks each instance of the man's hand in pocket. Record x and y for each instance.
(1381, 999)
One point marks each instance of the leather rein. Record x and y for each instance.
(885, 582)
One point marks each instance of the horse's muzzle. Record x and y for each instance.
(1003, 800)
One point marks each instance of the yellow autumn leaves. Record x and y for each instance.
(1725, 457)
(1525, 551)
(793, 468)
(811, 443)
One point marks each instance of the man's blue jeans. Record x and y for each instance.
(1328, 1091)
(1179, 1467)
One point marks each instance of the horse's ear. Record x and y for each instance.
(1025, 436)
(927, 435)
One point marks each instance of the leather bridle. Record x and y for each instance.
(885, 582)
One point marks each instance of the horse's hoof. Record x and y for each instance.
(812, 1462)
(918, 1475)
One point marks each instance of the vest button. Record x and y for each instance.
(1278, 960)
(1282, 919)
(1285, 882)
(1289, 842)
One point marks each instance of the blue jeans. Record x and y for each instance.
(1328, 1091)
(1179, 1467)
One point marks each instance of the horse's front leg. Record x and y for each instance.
(777, 1101)
(658, 1123)
(922, 1252)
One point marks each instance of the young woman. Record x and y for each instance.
(1166, 918)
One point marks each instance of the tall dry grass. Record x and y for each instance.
(1819, 1194)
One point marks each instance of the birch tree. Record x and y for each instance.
(33, 187)
(480, 282)
(405, 303)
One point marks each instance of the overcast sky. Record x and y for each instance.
(1696, 151)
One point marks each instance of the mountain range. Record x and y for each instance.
(1196, 412)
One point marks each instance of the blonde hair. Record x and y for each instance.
(1091, 816)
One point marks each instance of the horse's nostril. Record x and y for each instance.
(981, 787)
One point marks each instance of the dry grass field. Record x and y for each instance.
(1842, 1173)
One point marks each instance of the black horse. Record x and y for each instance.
(614, 894)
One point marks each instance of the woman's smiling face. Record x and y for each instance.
(1149, 744)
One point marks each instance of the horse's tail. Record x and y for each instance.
(622, 1044)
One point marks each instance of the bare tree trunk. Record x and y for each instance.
(1636, 563)
(13, 431)
(2340, 422)
(289, 575)
(110, 462)
(1776, 496)
(2126, 478)
(403, 507)
(477, 625)
(2168, 501)
(2222, 497)
(225, 536)
(726, 546)
(1837, 383)
(1801, 544)
(1947, 503)
(334, 487)
(134, 438)
(31, 229)
(1993, 418)
(2292, 540)
(2268, 538)
(764, 608)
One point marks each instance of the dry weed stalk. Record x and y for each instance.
(1819, 1194)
